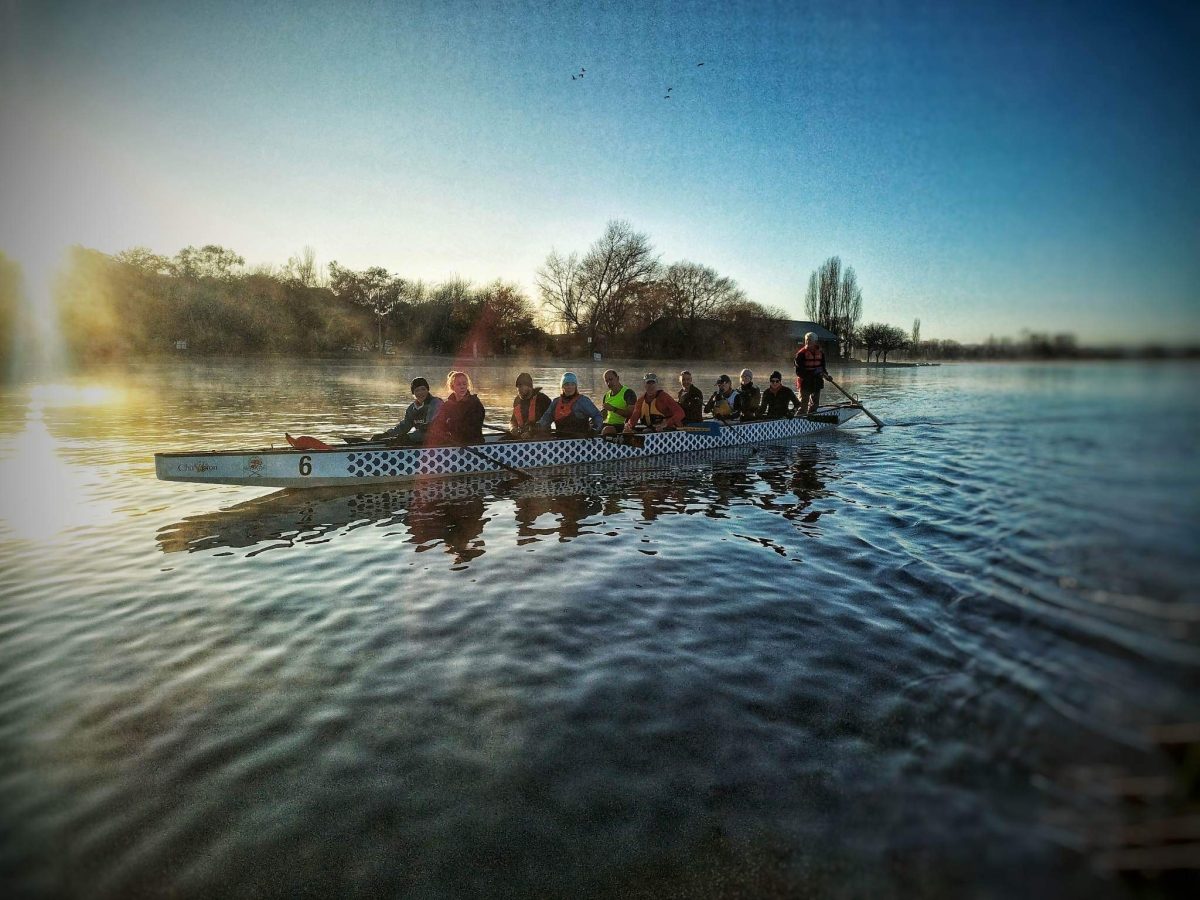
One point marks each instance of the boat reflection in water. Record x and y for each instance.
(558, 504)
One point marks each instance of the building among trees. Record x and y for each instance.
(829, 341)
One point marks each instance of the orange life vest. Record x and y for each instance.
(525, 412)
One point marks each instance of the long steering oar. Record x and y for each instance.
(855, 401)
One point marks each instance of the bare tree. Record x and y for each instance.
(561, 290)
(302, 268)
(830, 287)
(916, 336)
(882, 339)
(698, 292)
(619, 262)
(894, 339)
(593, 296)
(209, 261)
(374, 288)
(847, 310)
(812, 298)
(144, 260)
(834, 301)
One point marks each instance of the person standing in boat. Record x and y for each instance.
(749, 397)
(528, 406)
(460, 420)
(572, 414)
(691, 398)
(655, 410)
(413, 427)
(617, 403)
(810, 374)
(778, 400)
(723, 403)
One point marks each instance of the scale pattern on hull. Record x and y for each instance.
(536, 454)
(318, 468)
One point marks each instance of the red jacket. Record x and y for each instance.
(669, 412)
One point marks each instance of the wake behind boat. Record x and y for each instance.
(382, 464)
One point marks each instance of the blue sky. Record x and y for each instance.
(986, 167)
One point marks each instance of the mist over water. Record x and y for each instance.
(949, 658)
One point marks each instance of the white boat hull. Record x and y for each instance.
(355, 465)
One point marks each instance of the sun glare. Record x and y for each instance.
(44, 353)
(52, 395)
(43, 494)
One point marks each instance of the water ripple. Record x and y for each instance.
(933, 660)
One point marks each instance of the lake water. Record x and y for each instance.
(955, 657)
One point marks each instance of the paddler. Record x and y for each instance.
(656, 410)
(749, 397)
(571, 413)
(617, 403)
(691, 398)
(528, 406)
(413, 427)
(778, 400)
(723, 403)
(460, 420)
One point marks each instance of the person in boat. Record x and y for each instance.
(723, 402)
(810, 374)
(528, 406)
(691, 398)
(749, 397)
(655, 410)
(413, 428)
(778, 400)
(460, 420)
(571, 413)
(617, 403)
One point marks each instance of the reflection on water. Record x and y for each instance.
(45, 492)
(559, 504)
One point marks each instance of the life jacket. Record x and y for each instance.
(525, 411)
(621, 401)
(650, 412)
(810, 361)
(565, 420)
(722, 406)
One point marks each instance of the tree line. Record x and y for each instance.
(616, 298)
(138, 303)
(619, 297)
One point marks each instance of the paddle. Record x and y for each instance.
(305, 442)
(520, 473)
(854, 400)
(356, 440)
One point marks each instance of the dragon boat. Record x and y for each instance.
(357, 464)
